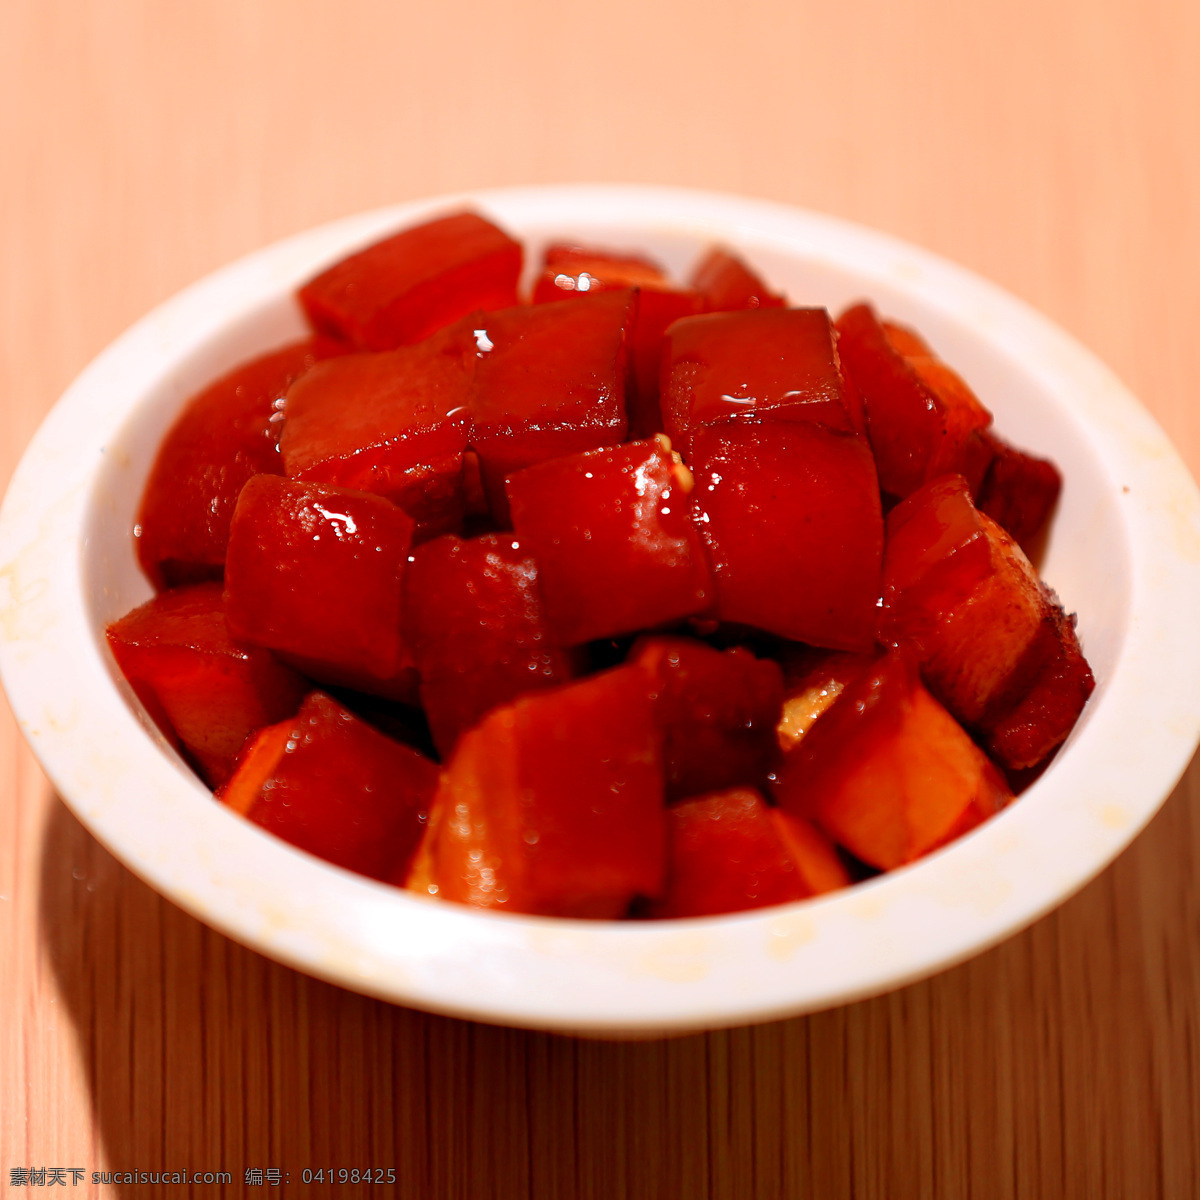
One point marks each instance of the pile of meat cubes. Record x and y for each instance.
(639, 599)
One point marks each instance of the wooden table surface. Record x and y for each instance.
(1052, 147)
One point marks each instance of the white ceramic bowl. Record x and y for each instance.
(1124, 552)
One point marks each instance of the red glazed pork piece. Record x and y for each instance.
(920, 414)
(395, 424)
(985, 629)
(1019, 491)
(960, 590)
(315, 574)
(414, 283)
(554, 804)
(761, 365)
(613, 538)
(726, 853)
(791, 515)
(226, 434)
(549, 380)
(811, 852)
(905, 341)
(717, 710)
(327, 782)
(727, 284)
(585, 270)
(1024, 735)
(580, 270)
(887, 772)
(204, 690)
(973, 458)
(473, 620)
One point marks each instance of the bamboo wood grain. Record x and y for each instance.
(1050, 147)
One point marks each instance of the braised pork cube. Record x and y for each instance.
(811, 853)
(581, 270)
(571, 270)
(226, 434)
(329, 783)
(549, 381)
(725, 853)
(791, 515)
(761, 365)
(613, 538)
(906, 341)
(921, 417)
(315, 573)
(206, 692)
(961, 592)
(405, 287)
(395, 424)
(554, 804)
(1019, 491)
(887, 772)
(473, 620)
(727, 284)
(974, 455)
(717, 711)
(1040, 721)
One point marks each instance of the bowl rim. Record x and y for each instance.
(602, 978)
